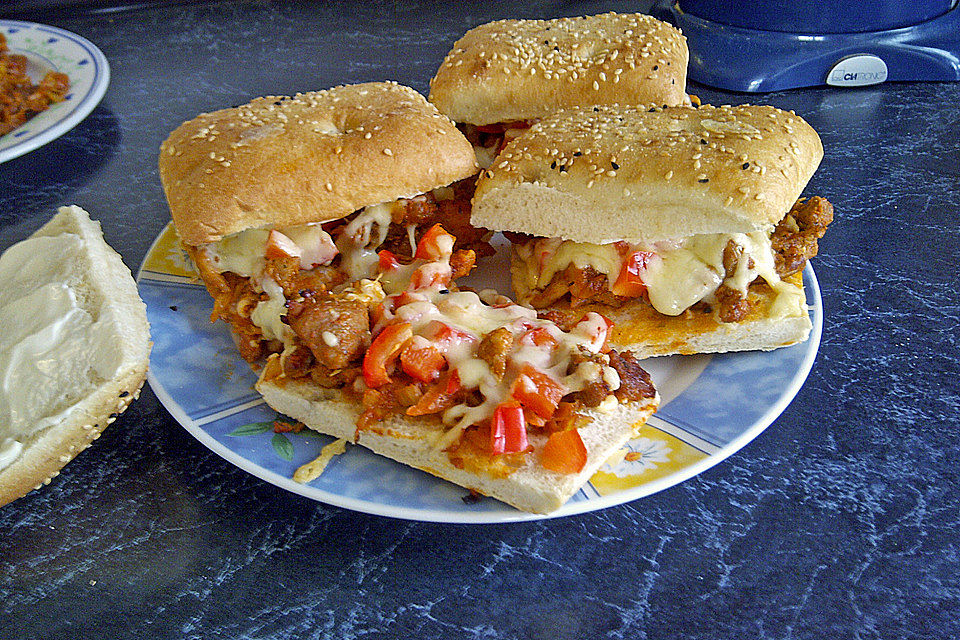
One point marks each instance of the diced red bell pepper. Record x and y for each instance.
(564, 452)
(388, 260)
(423, 362)
(508, 429)
(445, 336)
(435, 244)
(439, 397)
(630, 281)
(538, 336)
(383, 352)
(429, 275)
(537, 391)
(280, 246)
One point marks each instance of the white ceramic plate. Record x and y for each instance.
(711, 407)
(52, 49)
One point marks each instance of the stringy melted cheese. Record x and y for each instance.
(681, 273)
(244, 254)
(359, 241)
(476, 316)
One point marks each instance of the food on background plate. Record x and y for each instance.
(681, 224)
(469, 387)
(310, 193)
(74, 346)
(503, 76)
(20, 99)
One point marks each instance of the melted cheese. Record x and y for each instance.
(268, 314)
(546, 257)
(243, 253)
(359, 241)
(468, 313)
(685, 276)
(681, 273)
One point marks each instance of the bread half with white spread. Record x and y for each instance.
(74, 348)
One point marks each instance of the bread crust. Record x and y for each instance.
(46, 452)
(409, 440)
(318, 156)
(612, 173)
(524, 69)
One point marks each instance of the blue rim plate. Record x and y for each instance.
(711, 407)
(53, 49)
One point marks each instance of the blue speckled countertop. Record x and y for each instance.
(842, 520)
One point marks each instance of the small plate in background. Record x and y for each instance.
(52, 49)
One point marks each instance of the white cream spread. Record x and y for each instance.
(52, 350)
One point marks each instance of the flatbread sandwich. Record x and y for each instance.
(683, 225)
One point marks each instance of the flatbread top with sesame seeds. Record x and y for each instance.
(513, 70)
(612, 173)
(313, 157)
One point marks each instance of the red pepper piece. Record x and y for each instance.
(383, 352)
(508, 430)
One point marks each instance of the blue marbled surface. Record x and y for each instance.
(842, 520)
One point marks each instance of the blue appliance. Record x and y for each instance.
(769, 45)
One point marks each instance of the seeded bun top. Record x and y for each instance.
(609, 173)
(317, 156)
(526, 69)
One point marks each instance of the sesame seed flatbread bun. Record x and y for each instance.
(614, 173)
(314, 157)
(513, 70)
(68, 299)
(287, 194)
